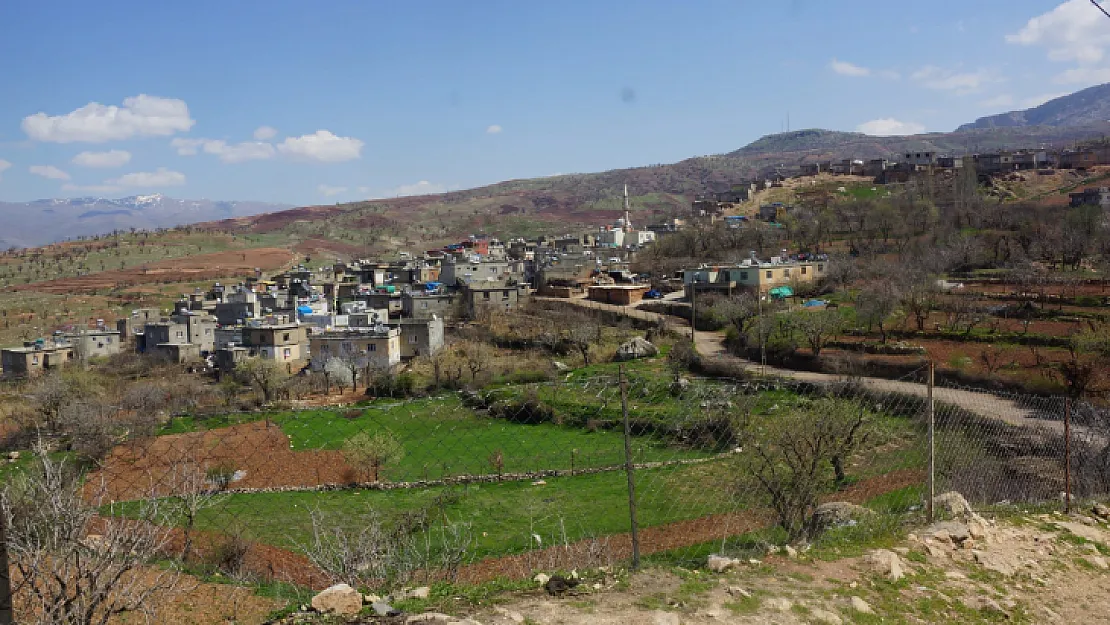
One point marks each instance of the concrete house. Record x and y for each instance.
(419, 337)
(378, 347)
(34, 357)
(416, 305)
(94, 343)
(755, 275)
(497, 296)
(1099, 196)
(455, 272)
(283, 342)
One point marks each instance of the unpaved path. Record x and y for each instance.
(711, 345)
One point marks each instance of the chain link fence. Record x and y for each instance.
(601, 467)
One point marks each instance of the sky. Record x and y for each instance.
(321, 102)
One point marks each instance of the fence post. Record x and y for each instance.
(694, 314)
(629, 469)
(6, 617)
(932, 446)
(1067, 455)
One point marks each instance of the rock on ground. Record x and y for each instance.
(887, 563)
(339, 599)
(954, 504)
(836, 513)
(638, 347)
(859, 605)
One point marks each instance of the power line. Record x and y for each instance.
(1099, 7)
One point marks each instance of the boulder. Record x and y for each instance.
(859, 605)
(720, 564)
(382, 608)
(638, 347)
(821, 615)
(886, 563)
(838, 513)
(338, 599)
(1102, 511)
(954, 504)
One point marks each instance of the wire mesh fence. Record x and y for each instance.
(596, 468)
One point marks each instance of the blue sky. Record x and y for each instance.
(305, 103)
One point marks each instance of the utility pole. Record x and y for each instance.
(694, 312)
(630, 470)
(1067, 455)
(932, 445)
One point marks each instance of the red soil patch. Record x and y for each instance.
(313, 246)
(259, 449)
(188, 269)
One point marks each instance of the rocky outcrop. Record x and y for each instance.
(638, 347)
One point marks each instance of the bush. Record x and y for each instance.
(529, 410)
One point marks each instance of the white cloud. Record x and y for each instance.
(228, 153)
(888, 126)
(844, 68)
(265, 133)
(998, 101)
(942, 79)
(328, 190)
(493, 130)
(1073, 31)
(322, 146)
(1084, 76)
(100, 189)
(162, 177)
(420, 188)
(48, 171)
(111, 158)
(140, 116)
(4, 165)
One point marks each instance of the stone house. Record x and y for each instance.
(420, 337)
(283, 342)
(377, 347)
(34, 357)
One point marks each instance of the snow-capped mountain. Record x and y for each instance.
(45, 221)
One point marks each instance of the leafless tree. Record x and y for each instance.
(264, 375)
(65, 574)
(193, 491)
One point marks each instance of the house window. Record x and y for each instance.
(35, 359)
(207, 331)
(412, 338)
(373, 347)
(423, 304)
(505, 295)
(180, 334)
(108, 340)
(786, 273)
(743, 275)
(485, 295)
(803, 271)
(820, 268)
(286, 353)
(770, 274)
(285, 337)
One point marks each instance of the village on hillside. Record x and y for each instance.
(383, 312)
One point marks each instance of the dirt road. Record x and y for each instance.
(711, 345)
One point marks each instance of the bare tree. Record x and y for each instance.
(876, 304)
(64, 574)
(193, 491)
(800, 454)
(264, 375)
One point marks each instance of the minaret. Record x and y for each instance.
(627, 219)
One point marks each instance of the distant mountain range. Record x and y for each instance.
(519, 207)
(1078, 109)
(28, 224)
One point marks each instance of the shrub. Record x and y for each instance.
(530, 409)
